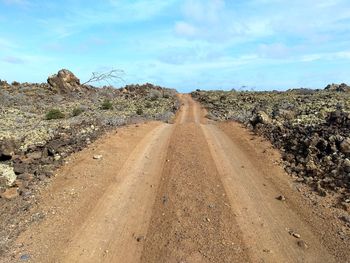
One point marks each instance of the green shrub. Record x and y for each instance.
(107, 105)
(54, 114)
(139, 111)
(148, 105)
(77, 111)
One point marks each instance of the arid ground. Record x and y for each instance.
(193, 191)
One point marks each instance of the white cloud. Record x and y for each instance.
(203, 11)
(341, 55)
(185, 29)
(75, 19)
(216, 21)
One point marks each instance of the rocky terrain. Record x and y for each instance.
(310, 127)
(42, 124)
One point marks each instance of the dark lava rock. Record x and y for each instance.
(312, 129)
(338, 87)
(345, 146)
(7, 149)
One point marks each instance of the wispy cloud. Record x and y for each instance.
(215, 21)
(5, 43)
(183, 42)
(113, 12)
(13, 60)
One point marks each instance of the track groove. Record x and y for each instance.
(187, 192)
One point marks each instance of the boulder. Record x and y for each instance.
(346, 165)
(7, 149)
(345, 146)
(264, 118)
(260, 117)
(65, 82)
(7, 175)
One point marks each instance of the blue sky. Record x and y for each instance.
(182, 44)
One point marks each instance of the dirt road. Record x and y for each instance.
(193, 191)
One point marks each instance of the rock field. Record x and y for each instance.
(310, 127)
(42, 124)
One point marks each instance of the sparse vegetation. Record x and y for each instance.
(54, 114)
(34, 126)
(107, 105)
(148, 105)
(77, 111)
(155, 94)
(139, 111)
(311, 127)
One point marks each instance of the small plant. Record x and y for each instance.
(148, 105)
(154, 95)
(107, 105)
(139, 111)
(54, 114)
(77, 111)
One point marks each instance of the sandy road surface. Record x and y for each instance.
(194, 191)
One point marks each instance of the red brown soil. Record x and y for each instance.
(193, 191)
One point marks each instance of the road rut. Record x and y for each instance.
(186, 192)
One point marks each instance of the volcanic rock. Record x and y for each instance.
(65, 82)
(346, 165)
(7, 149)
(345, 146)
(338, 87)
(7, 175)
(310, 128)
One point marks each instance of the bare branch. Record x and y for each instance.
(110, 76)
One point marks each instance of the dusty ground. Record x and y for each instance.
(194, 191)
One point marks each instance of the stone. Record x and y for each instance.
(10, 193)
(296, 235)
(345, 218)
(24, 257)
(302, 244)
(64, 81)
(140, 238)
(260, 117)
(7, 149)
(97, 156)
(35, 155)
(20, 168)
(281, 198)
(346, 165)
(338, 87)
(345, 146)
(7, 175)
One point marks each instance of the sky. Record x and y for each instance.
(182, 44)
